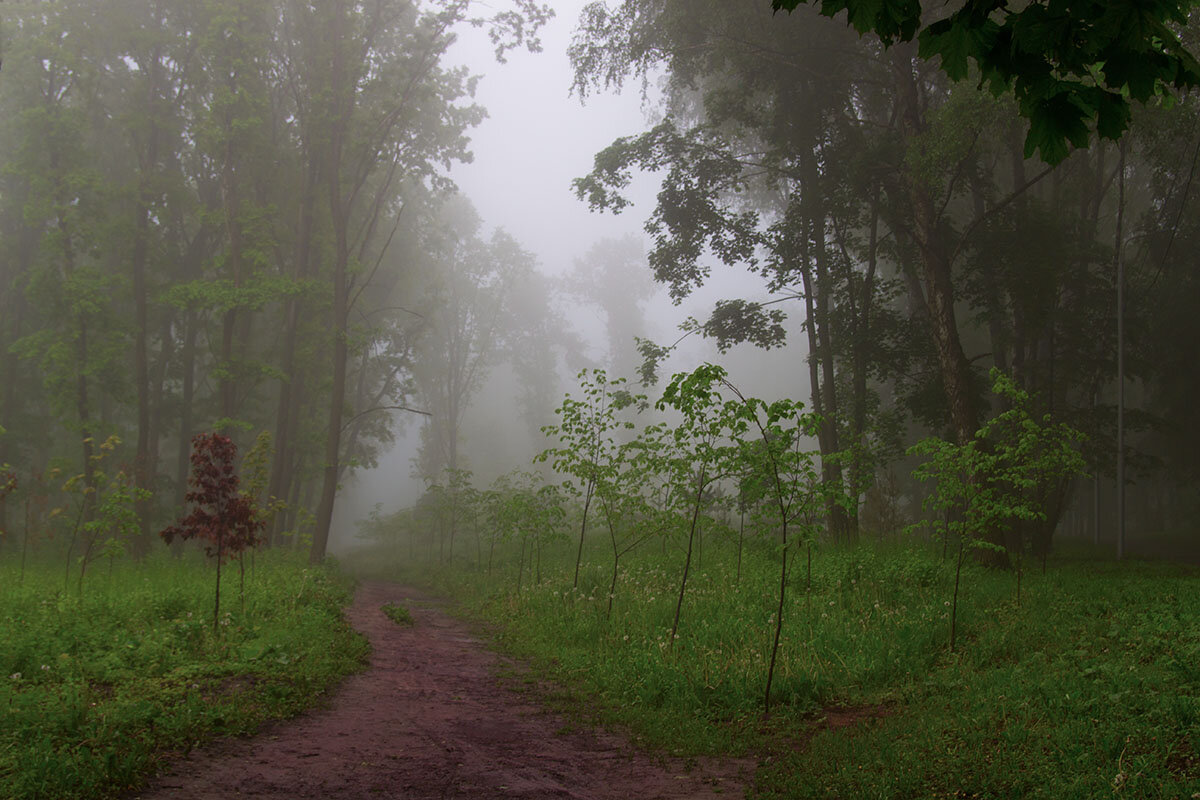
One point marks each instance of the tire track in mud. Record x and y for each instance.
(430, 719)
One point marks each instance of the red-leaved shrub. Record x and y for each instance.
(221, 516)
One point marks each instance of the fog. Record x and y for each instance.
(539, 137)
(769, 386)
(345, 237)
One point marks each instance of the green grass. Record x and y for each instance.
(96, 691)
(397, 614)
(1091, 687)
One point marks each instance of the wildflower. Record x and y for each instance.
(16, 676)
(45, 667)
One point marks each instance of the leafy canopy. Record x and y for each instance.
(1072, 64)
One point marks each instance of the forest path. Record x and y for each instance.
(430, 718)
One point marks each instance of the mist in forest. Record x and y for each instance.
(755, 376)
(374, 244)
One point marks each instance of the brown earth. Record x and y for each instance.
(430, 718)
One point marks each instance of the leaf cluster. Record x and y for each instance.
(995, 479)
(1072, 66)
(222, 517)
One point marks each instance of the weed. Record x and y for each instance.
(398, 614)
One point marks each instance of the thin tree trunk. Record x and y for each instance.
(741, 539)
(687, 564)
(778, 624)
(587, 502)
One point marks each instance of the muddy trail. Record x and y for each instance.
(429, 718)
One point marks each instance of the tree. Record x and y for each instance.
(771, 165)
(697, 458)
(8, 485)
(784, 475)
(1071, 66)
(377, 135)
(612, 276)
(226, 520)
(587, 443)
(467, 315)
(996, 481)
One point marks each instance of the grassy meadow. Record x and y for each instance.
(99, 685)
(1089, 687)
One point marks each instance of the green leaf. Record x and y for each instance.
(1054, 123)
(957, 41)
(1112, 115)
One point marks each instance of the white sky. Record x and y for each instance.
(537, 139)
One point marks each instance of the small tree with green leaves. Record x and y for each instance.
(624, 495)
(458, 499)
(522, 508)
(776, 468)
(256, 478)
(698, 455)
(995, 480)
(87, 488)
(114, 524)
(587, 443)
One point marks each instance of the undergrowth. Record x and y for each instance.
(1089, 687)
(397, 614)
(96, 690)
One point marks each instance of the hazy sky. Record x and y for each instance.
(537, 139)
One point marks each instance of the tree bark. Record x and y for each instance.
(936, 275)
(342, 99)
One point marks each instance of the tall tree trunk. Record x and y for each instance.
(82, 405)
(814, 280)
(187, 399)
(144, 465)
(938, 285)
(10, 386)
(342, 98)
(862, 336)
(831, 468)
(233, 229)
(288, 409)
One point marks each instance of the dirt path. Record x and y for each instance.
(429, 719)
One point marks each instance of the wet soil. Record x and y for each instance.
(431, 718)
